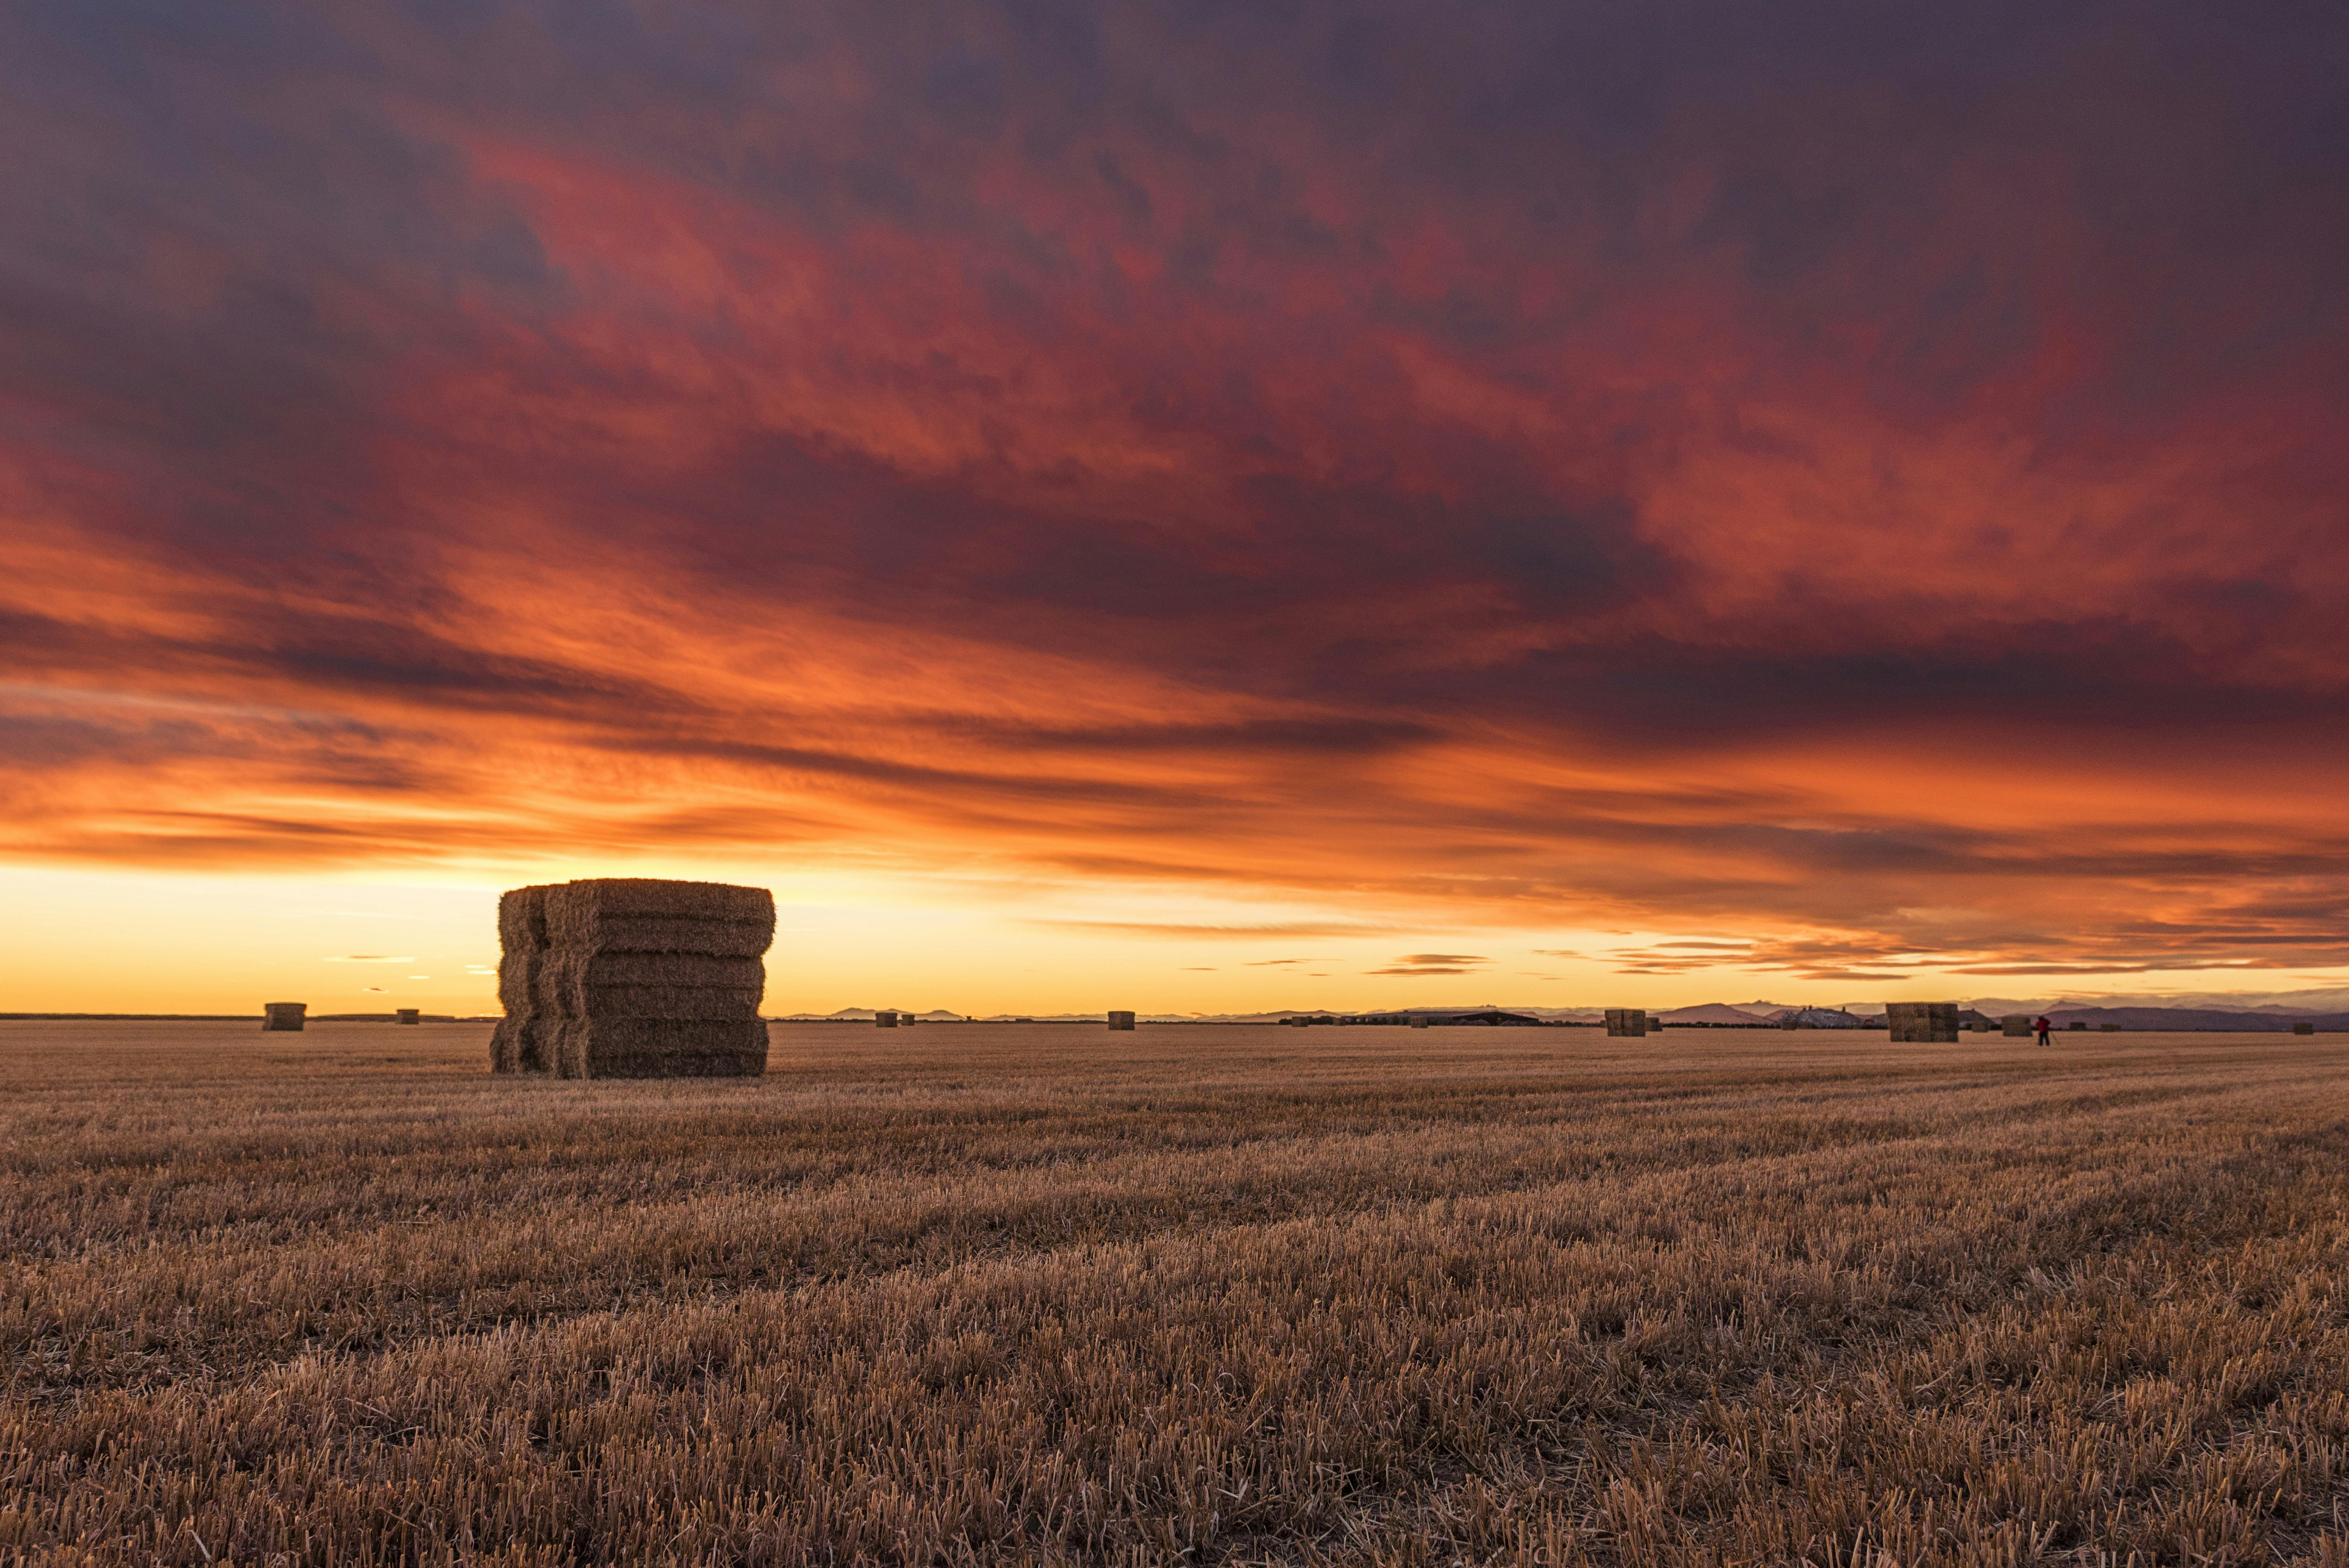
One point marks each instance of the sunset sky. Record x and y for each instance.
(1185, 507)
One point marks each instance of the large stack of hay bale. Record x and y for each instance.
(1120, 1020)
(408, 1016)
(1624, 1022)
(886, 1018)
(283, 1015)
(632, 977)
(1922, 1023)
(2017, 1026)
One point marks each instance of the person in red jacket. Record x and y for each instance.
(2042, 1025)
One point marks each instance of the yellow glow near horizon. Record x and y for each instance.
(104, 940)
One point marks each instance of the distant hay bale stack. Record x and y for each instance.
(1418, 1020)
(2109, 1028)
(407, 1015)
(906, 1020)
(289, 1016)
(886, 1019)
(632, 977)
(2017, 1026)
(2307, 1028)
(1120, 1020)
(1922, 1023)
(1623, 1023)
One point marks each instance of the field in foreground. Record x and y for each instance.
(988, 1293)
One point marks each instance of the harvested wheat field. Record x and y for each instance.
(1051, 1293)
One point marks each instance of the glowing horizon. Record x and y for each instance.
(359, 945)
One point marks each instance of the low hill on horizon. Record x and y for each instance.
(1715, 1013)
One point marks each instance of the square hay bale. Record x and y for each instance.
(641, 914)
(517, 979)
(537, 1045)
(520, 1044)
(505, 1046)
(407, 1015)
(575, 983)
(659, 1048)
(517, 1045)
(650, 898)
(522, 918)
(655, 1002)
(2017, 1026)
(1624, 1023)
(683, 970)
(1418, 1020)
(1922, 1023)
(283, 1015)
(1120, 1020)
(563, 1042)
(2303, 1028)
(885, 1019)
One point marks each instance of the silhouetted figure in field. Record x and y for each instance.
(2042, 1025)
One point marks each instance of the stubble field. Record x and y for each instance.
(979, 1293)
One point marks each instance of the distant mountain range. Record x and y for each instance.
(2299, 1004)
